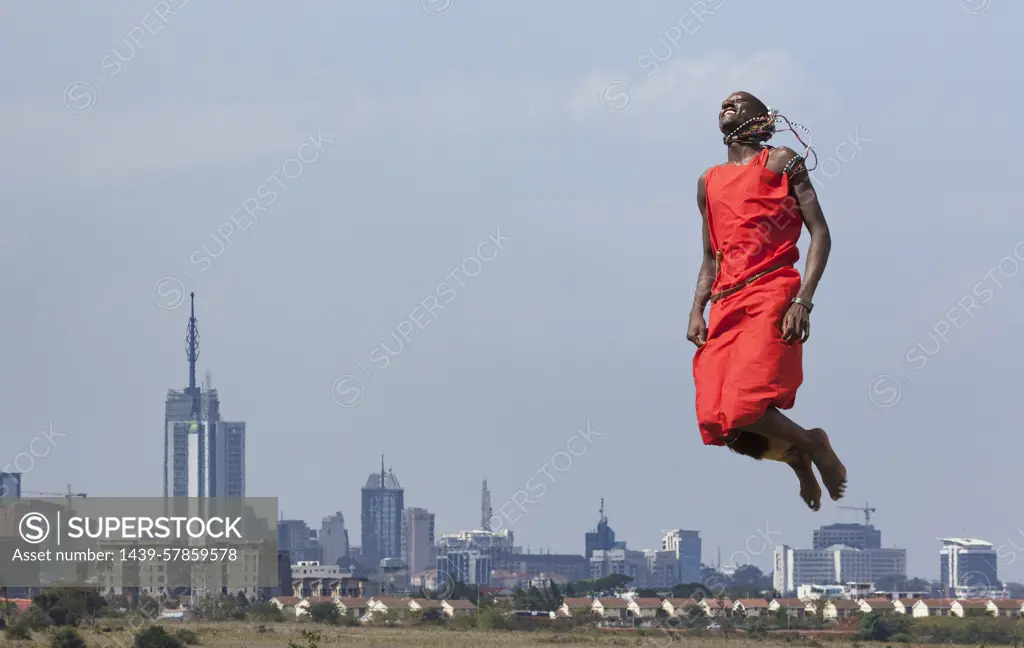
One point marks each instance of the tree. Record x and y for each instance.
(325, 613)
(598, 585)
(878, 626)
(747, 575)
(69, 607)
(546, 599)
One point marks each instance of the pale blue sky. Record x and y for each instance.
(446, 127)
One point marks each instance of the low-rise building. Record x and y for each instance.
(966, 608)
(610, 607)
(794, 607)
(352, 606)
(457, 607)
(932, 607)
(576, 606)
(751, 607)
(679, 607)
(869, 605)
(644, 608)
(837, 609)
(1006, 607)
(286, 604)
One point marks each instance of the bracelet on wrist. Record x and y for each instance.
(804, 302)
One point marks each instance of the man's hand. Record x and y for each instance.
(697, 331)
(796, 325)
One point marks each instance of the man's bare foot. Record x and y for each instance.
(810, 491)
(833, 472)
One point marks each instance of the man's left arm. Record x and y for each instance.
(801, 189)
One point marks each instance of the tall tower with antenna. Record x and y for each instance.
(195, 396)
(485, 507)
(203, 455)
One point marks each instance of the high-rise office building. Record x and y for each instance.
(467, 566)
(485, 507)
(383, 501)
(836, 565)
(418, 540)
(602, 538)
(967, 565)
(10, 484)
(300, 541)
(203, 456)
(334, 539)
(858, 536)
(686, 546)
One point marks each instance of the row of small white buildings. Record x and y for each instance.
(831, 610)
(366, 609)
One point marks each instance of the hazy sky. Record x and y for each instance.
(138, 137)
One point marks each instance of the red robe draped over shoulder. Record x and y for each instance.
(744, 367)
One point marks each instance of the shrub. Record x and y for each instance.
(67, 638)
(187, 637)
(156, 637)
(34, 618)
(325, 613)
(265, 612)
(883, 627)
(312, 638)
(18, 632)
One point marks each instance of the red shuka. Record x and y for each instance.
(744, 367)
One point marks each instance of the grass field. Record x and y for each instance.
(278, 635)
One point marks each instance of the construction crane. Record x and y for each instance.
(67, 495)
(866, 510)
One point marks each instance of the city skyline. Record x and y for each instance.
(467, 249)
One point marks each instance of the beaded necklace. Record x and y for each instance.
(761, 128)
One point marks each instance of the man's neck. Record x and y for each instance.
(743, 152)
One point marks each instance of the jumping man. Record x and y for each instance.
(748, 364)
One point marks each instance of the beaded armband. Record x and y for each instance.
(795, 166)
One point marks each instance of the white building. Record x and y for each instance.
(968, 567)
(605, 562)
(418, 550)
(687, 548)
(834, 565)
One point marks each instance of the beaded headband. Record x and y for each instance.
(766, 124)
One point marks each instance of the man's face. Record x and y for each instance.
(736, 109)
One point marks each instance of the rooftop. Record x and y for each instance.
(373, 482)
(971, 543)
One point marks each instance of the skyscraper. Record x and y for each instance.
(968, 566)
(383, 501)
(418, 539)
(334, 538)
(686, 547)
(603, 538)
(485, 508)
(203, 456)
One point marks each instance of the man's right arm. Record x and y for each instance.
(708, 268)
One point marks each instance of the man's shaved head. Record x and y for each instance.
(738, 109)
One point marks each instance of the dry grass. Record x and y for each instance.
(278, 635)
